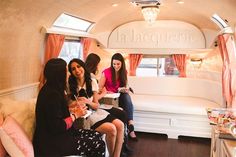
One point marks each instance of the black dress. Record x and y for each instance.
(52, 138)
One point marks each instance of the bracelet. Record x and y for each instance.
(73, 115)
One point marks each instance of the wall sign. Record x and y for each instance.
(161, 34)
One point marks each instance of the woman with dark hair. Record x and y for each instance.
(114, 79)
(85, 89)
(54, 133)
(92, 62)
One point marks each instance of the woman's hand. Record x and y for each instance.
(123, 90)
(80, 111)
(91, 104)
(74, 104)
(84, 100)
(102, 92)
(78, 108)
(87, 101)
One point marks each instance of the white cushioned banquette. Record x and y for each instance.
(174, 106)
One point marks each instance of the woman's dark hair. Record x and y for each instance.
(73, 84)
(122, 72)
(92, 62)
(55, 74)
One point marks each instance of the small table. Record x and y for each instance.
(222, 145)
(229, 148)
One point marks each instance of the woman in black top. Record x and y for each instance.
(54, 134)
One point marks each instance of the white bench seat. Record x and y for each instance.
(174, 106)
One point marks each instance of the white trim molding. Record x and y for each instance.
(64, 31)
(21, 93)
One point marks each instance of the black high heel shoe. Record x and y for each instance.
(131, 129)
(123, 154)
(125, 147)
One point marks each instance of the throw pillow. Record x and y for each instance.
(2, 150)
(14, 139)
(23, 111)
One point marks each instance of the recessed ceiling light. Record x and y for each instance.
(180, 1)
(115, 5)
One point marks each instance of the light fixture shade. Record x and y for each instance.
(150, 13)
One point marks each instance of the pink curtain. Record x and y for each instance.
(230, 45)
(233, 83)
(53, 47)
(134, 60)
(228, 54)
(86, 42)
(180, 63)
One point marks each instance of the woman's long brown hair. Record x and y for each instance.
(122, 72)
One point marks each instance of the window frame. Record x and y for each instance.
(73, 39)
(158, 66)
(72, 28)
